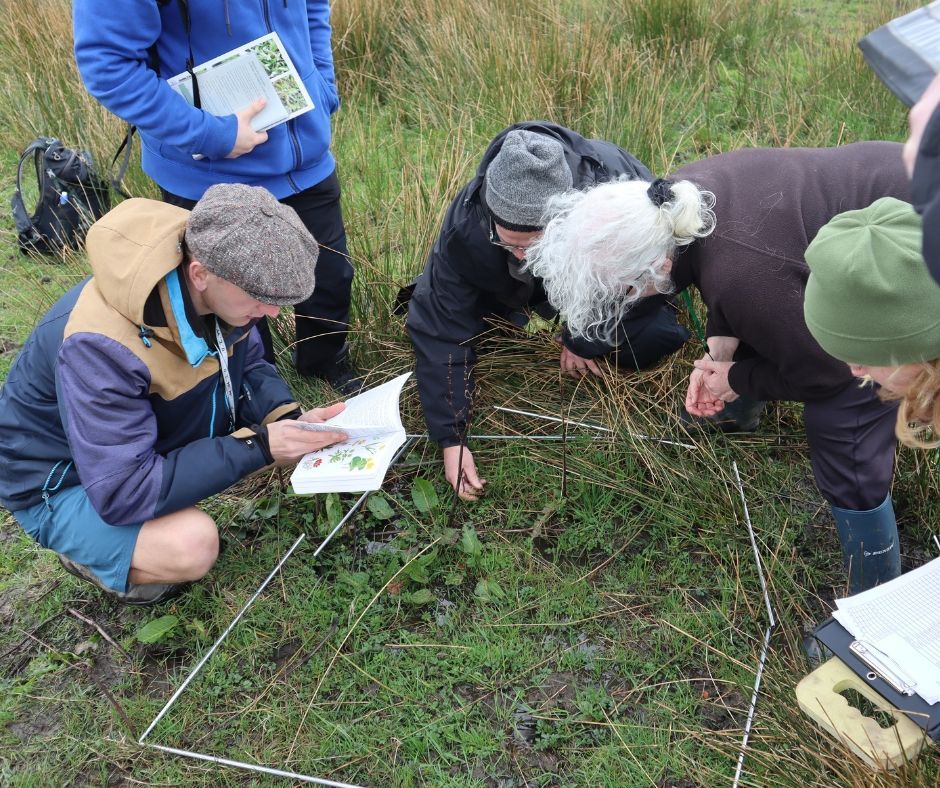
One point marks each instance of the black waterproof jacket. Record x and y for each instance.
(467, 280)
(925, 189)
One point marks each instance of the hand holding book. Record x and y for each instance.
(372, 425)
(288, 444)
(234, 82)
(247, 138)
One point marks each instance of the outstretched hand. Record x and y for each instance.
(575, 366)
(470, 485)
(709, 388)
(716, 378)
(699, 401)
(247, 138)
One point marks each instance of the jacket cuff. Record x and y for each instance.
(256, 435)
(264, 443)
(289, 410)
(220, 137)
(585, 348)
(739, 375)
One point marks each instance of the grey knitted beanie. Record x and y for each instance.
(245, 236)
(527, 172)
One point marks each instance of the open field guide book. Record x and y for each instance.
(235, 79)
(372, 422)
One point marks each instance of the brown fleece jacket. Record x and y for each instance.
(770, 203)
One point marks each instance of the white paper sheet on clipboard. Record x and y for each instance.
(901, 620)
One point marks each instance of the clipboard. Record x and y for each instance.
(903, 53)
(839, 641)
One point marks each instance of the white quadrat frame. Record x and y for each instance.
(772, 621)
(205, 658)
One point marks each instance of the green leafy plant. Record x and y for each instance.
(424, 496)
(488, 590)
(158, 629)
(471, 545)
(379, 507)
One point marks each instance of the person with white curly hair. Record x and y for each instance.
(575, 254)
(737, 226)
(474, 281)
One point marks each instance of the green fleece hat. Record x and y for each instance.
(870, 299)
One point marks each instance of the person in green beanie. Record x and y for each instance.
(872, 303)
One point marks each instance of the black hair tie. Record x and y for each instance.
(660, 191)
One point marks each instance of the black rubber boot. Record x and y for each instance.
(870, 548)
(742, 415)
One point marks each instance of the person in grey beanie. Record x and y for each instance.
(475, 275)
(528, 170)
(144, 389)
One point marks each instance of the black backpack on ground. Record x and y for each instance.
(71, 197)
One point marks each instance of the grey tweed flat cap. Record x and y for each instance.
(528, 170)
(245, 236)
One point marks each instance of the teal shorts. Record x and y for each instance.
(71, 526)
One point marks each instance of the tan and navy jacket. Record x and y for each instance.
(119, 387)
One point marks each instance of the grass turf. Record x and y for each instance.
(596, 620)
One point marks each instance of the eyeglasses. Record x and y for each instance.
(497, 241)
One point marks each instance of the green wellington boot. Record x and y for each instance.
(870, 548)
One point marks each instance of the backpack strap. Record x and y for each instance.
(117, 181)
(35, 149)
(82, 170)
(190, 63)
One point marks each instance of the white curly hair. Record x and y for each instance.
(605, 248)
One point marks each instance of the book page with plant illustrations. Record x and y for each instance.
(373, 425)
(355, 465)
(237, 78)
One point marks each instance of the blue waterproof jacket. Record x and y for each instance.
(113, 42)
(118, 389)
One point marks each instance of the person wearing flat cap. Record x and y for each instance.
(144, 391)
(871, 302)
(737, 227)
(475, 276)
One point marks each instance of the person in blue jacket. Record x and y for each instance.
(126, 52)
(143, 390)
